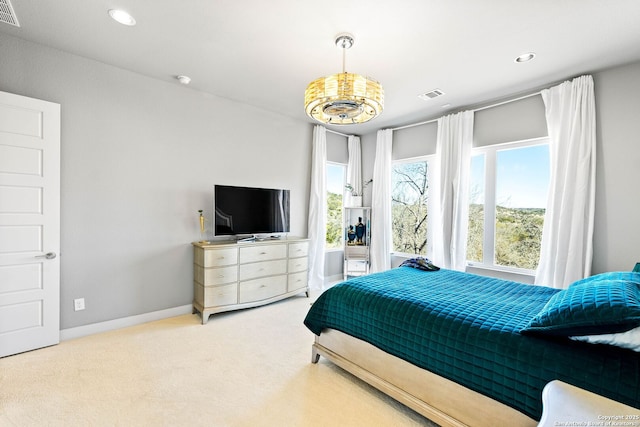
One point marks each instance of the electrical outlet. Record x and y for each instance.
(78, 304)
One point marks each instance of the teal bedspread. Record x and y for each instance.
(466, 328)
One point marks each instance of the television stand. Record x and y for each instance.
(228, 276)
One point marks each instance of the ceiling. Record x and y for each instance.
(264, 53)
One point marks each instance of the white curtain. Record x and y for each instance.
(381, 243)
(317, 208)
(449, 191)
(354, 169)
(567, 248)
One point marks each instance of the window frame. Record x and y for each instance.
(429, 159)
(490, 186)
(344, 181)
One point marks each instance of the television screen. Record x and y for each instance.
(248, 210)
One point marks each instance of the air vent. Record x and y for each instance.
(431, 94)
(7, 15)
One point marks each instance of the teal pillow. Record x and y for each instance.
(595, 307)
(629, 276)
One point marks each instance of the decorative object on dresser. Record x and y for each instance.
(229, 275)
(356, 193)
(203, 230)
(357, 236)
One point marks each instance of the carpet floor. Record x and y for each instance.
(244, 368)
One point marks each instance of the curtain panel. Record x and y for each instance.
(567, 239)
(449, 191)
(381, 237)
(354, 170)
(317, 222)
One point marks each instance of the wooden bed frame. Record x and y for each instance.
(438, 399)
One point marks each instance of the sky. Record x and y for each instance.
(522, 176)
(335, 177)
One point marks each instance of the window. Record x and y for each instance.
(409, 194)
(507, 202)
(336, 174)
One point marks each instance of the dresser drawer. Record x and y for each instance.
(300, 249)
(297, 281)
(263, 253)
(260, 289)
(261, 269)
(298, 264)
(356, 251)
(356, 266)
(216, 276)
(213, 296)
(216, 257)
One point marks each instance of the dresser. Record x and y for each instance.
(230, 276)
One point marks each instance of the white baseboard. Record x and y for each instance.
(110, 325)
(331, 280)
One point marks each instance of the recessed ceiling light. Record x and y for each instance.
(185, 80)
(525, 57)
(122, 17)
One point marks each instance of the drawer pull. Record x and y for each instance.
(263, 253)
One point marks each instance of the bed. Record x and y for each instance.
(463, 349)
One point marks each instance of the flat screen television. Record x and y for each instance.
(250, 210)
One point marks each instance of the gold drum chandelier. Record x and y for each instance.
(344, 98)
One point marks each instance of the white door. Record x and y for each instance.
(29, 224)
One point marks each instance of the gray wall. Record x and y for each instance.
(415, 141)
(139, 158)
(514, 121)
(617, 234)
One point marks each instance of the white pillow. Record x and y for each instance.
(629, 339)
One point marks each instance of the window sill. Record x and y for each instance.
(515, 274)
(333, 250)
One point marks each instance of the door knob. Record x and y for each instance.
(49, 255)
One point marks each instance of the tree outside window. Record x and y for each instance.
(335, 192)
(409, 194)
(475, 235)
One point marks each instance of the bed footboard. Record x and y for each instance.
(438, 399)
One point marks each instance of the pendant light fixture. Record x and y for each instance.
(344, 98)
